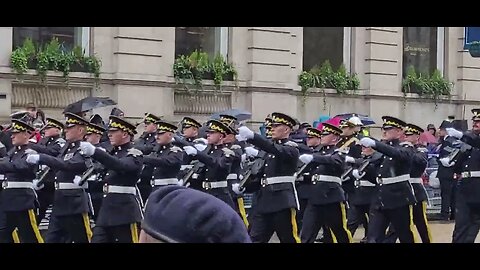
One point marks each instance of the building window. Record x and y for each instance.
(326, 43)
(68, 36)
(212, 40)
(423, 49)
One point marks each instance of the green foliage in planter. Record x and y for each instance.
(221, 70)
(22, 55)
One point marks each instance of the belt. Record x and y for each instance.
(164, 182)
(417, 180)
(69, 186)
(218, 184)
(185, 167)
(232, 176)
(119, 189)
(7, 184)
(393, 180)
(326, 178)
(470, 174)
(277, 180)
(364, 183)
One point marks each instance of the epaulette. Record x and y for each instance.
(30, 151)
(291, 143)
(228, 152)
(175, 149)
(422, 149)
(134, 152)
(235, 147)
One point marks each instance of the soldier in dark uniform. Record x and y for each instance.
(69, 219)
(146, 143)
(326, 203)
(218, 161)
(304, 180)
(167, 158)
(467, 164)
(190, 129)
(51, 144)
(394, 199)
(18, 199)
(120, 211)
(95, 178)
(276, 201)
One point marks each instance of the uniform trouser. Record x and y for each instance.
(447, 187)
(401, 218)
(303, 204)
(282, 222)
(145, 190)
(116, 234)
(26, 224)
(467, 221)
(332, 215)
(420, 221)
(97, 198)
(74, 227)
(45, 199)
(356, 215)
(3, 227)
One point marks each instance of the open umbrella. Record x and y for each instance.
(366, 120)
(239, 114)
(89, 103)
(427, 137)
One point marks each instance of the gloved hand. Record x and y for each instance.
(454, 133)
(244, 158)
(2, 145)
(236, 189)
(33, 158)
(87, 149)
(446, 162)
(251, 152)
(367, 142)
(201, 140)
(349, 159)
(200, 147)
(35, 184)
(180, 182)
(306, 158)
(240, 138)
(190, 150)
(357, 175)
(76, 180)
(245, 132)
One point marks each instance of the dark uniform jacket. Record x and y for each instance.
(50, 146)
(235, 167)
(304, 183)
(166, 161)
(124, 165)
(328, 162)
(418, 166)
(363, 195)
(281, 160)
(16, 169)
(69, 164)
(396, 162)
(147, 143)
(469, 161)
(446, 147)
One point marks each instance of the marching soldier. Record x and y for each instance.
(394, 199)
(218, 161)
(18, 199)
(445, 173)
(167, 158)
(120, 211)
(190, 129)
(146, 143)
(326, 203)
(276, 201)
(51, 144)
(69, 218)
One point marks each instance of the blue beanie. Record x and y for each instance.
(180, 214)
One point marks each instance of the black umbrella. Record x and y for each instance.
(239, 114)
(89, 103)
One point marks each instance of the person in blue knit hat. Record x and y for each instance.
(176, 214)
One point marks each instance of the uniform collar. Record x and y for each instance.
(190, 139)
(20, 147)
(74, 144)
(220, 146)
(281, 141)
(165, 146)
(123, 146)
(393, 142)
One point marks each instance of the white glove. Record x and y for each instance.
(35, 184)
(201, 140)
(245, 132)
(33, 158)
(180, 182)
(251, 152)
(357, 175)
(367, 142)
(306, 158)
(240, 138)
(236, 189)
(87, 149)
(349, 159)
(76, 180)
(190, 150)
(454, 133)
(446, 162)
(2, 145)
(244, 158)
(200, 147)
